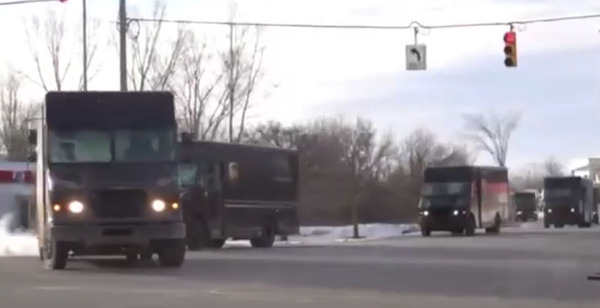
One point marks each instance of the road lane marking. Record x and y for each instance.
(58, 288)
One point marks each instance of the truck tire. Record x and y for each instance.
(266, 240)
(131, 257)
(497, 225)
(558, 225)
(145, 256)
(172, 253)
(56, 254)
(458, 231)
(197, 234)
(470, 226)
(217, 243)
(546, 224)
(425, 231)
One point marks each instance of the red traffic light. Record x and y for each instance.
(509, 37)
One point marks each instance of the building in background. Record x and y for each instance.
(589, 170)
(16, 184)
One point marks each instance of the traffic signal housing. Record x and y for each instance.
(510, 49)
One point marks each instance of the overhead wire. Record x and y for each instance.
(24, 2)
(411, 25)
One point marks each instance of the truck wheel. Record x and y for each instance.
(197, 234)
(172, 253)
(56, 254)
(217, 243)
(265, 241)
(558, 226)
(458, 231)
(470, 227)
(145, 256)
(425, 231)
(131, 257)
(497, 225)
(546, 225)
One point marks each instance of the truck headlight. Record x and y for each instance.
(158, 205)
(572, 210)
(75, 207)
(425, 213)
(519, 212)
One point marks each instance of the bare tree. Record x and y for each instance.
(214, 102)
(242, 64)
(364, 156)
(201, 111)
(151, 64)
(492, 133)
(532, 177)
(52, 51)
(14, 116)
(553, 167)
(421, 149)
(275, 134)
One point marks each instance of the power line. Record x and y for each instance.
(25, 2)
(413, 24)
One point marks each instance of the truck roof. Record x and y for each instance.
(109, 109)
(226, 145)
(465, 173)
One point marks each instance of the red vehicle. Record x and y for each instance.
(464, 198)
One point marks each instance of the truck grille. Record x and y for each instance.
(119, 203)
(441, 213)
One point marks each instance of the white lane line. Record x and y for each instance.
(58, 288)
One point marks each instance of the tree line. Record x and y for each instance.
(349, 171)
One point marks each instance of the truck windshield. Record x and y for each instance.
(94, 146)
(201, 175)
(187, 175)
(525, 201)
(558, 193)
(84, 146)
(445, 194)
(144, 145)
(445, 189)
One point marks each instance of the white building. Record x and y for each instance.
(16, 184)
(590, 170)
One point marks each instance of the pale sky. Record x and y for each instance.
(362, 72)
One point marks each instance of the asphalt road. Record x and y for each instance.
(526, 267)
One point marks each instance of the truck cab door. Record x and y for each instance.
(213, 198)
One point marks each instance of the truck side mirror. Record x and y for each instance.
(187, 137)
(32, 137)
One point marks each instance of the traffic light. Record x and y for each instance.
(510, 49)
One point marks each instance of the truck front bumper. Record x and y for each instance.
(122, 234)
(444, 223)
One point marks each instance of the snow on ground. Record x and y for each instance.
(324, 235)
(366, 231)
(16, 243)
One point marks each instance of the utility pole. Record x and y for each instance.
(231, 80)
(123, 44)
(85, 56)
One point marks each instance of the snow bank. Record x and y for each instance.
(372, 231)
(16, 243)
